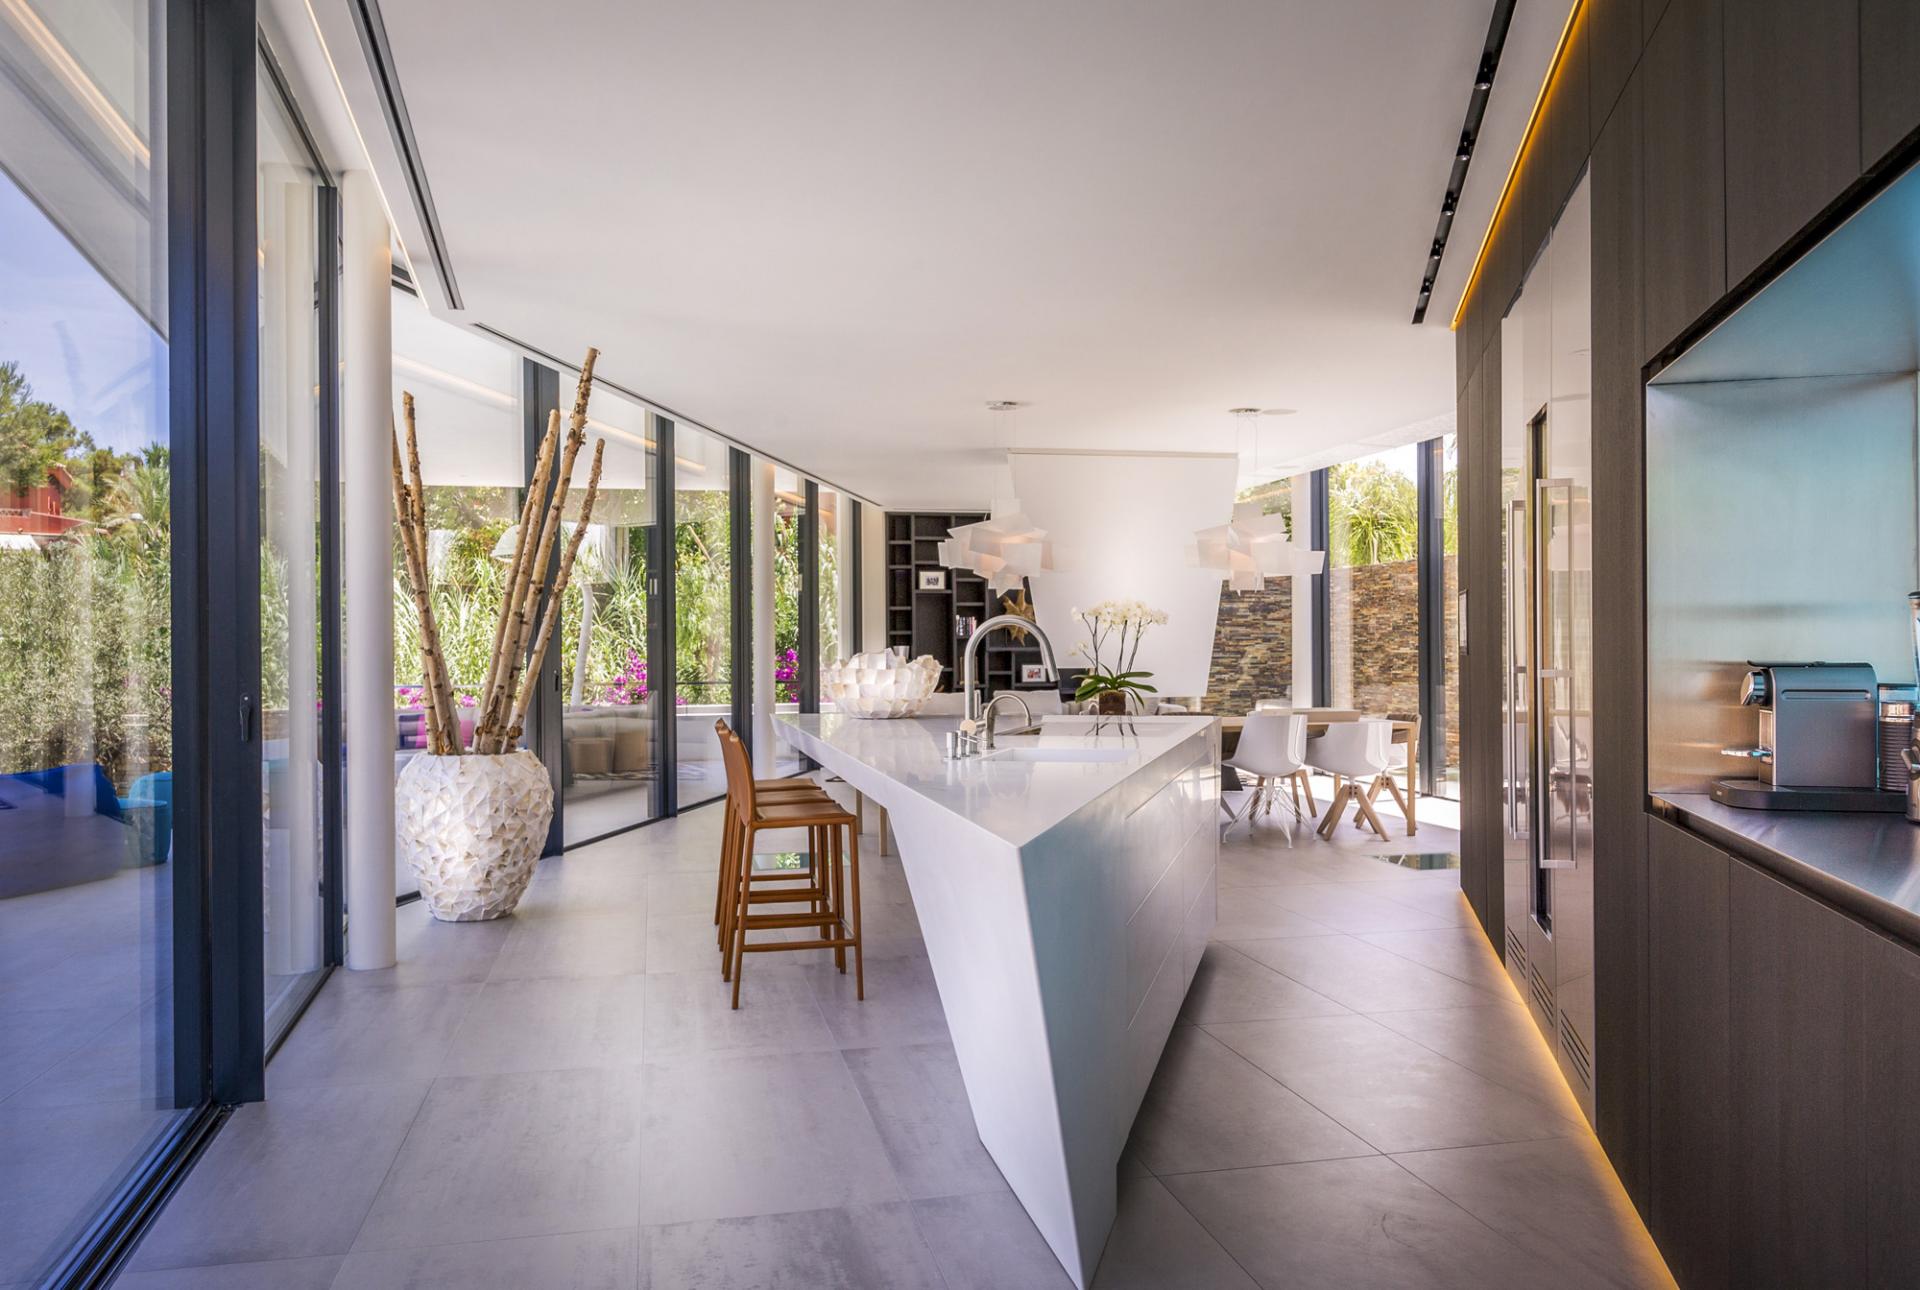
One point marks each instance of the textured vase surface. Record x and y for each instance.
(471, 828)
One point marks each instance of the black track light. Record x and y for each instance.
(1446, 204)
(1466, 148)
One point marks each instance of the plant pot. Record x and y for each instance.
(1111, 703)
(471, 829)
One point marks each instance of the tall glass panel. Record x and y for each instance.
(834, 565)
(291, 702)
(473, 460)
(609, 761)
(789, 504)
(1374, 584)
(703, 610)
(1253, 639)
(87, 1061)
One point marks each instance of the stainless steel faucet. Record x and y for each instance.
(984, 735)
(973, 646)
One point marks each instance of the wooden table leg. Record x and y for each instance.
(1413, 762)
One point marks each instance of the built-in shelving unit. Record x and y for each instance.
(931, 622)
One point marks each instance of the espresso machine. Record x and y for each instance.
(1819, 741)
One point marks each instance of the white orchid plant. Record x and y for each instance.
(1117, 626)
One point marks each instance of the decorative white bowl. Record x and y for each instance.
(880, 685)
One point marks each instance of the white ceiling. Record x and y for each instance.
(833, 232)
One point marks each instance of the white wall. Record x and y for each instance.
(1122, 528)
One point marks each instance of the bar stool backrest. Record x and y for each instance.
(733, 755)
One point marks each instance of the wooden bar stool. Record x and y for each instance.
(773, 791)
(834, 891)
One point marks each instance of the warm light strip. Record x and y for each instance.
(1513, 171)
(63, 64)
(458, 384)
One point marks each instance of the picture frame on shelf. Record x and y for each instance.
(1033, 674)
(932, 580)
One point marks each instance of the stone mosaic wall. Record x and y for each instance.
(1375, 643)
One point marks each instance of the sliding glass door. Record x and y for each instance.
(103, 1044)
(294, 555)
(610, 722)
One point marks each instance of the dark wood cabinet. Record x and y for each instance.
(1889, 75)
(1685, 269)
(1689, 1065)
(1890, 1023)
(1619, 671)
(1614, 41)
(1793, 119)
(1799, 1201)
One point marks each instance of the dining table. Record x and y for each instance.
(1405, 732)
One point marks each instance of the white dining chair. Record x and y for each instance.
(1358, 754)
(1272, 751)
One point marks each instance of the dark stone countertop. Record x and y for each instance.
(1865, 863)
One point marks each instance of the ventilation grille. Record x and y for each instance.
(1516, 955)
(1576, 1050)
(1542, 989)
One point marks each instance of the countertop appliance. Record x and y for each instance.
(1819, 745)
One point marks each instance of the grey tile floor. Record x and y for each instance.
(1354, 1098)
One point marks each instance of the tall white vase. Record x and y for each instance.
(472, 828)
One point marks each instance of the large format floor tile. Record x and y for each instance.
(1157, 1244)
(987, 1242)
(919, 1104)
(1229, 986)
(1589, 1232)
(1363, 977)
(496, 1156)
(1388, 1090)
(372, 1036)
(1210, 1108)
(288, 1178)
(569, 1261)
(851, 1248)
(729, 1136)
(600, 1116)
(1361, 1224)
(550, 1024)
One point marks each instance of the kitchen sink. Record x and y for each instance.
(1036, 753)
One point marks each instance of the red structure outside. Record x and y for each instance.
(39, 511)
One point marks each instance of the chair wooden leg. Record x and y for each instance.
(859, 940)
(1399, 798)
(1337, 805)
(1366, 808)
(839, 904)
(1306, 786)
(1293, 786)
(741, 911)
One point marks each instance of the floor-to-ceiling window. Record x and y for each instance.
(1252, 658)
(1373, 584)
(87, 876)
(833, 565)
(703, 610)
(290, 188)
(610, 721)
(789, 593)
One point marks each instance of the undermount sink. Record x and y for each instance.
(1059, 754)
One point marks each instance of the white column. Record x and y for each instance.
(366, 413)
(761, 499)
(1301, 487)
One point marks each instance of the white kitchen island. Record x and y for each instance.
(1065, 885)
